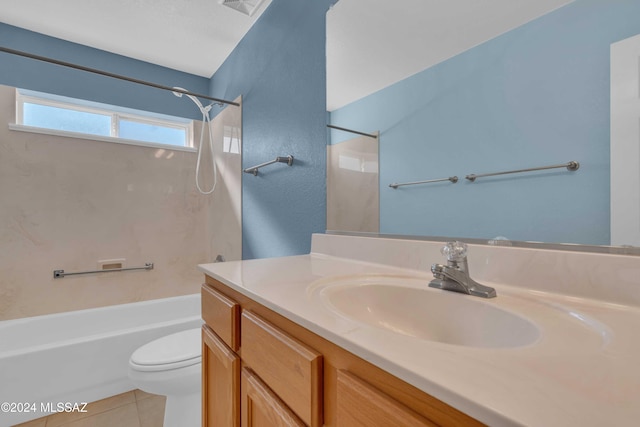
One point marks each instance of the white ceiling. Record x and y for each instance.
(370, 43)
(194, 36)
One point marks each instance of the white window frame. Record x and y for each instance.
(116, 113)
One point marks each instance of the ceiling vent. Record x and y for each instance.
(247, 7)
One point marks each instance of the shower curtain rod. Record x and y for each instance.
(353, 131)
(112, 75)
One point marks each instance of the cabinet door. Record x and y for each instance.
(220, 382)
(261, 407)
(290, 368)
(360, 404)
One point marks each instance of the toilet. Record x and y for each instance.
(172, 366)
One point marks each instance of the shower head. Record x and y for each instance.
(193, 98)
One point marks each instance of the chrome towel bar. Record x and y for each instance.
(58, 274)
(254, 170)
(571, 166)
(453, 179)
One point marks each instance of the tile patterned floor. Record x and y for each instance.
(131, 409)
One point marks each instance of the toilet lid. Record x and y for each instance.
(180, 349)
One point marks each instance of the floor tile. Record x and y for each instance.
(143, 394)
(124, 416)
(151, 411)
(93, 408)
(40, 422)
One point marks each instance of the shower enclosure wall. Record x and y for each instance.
(68, 203)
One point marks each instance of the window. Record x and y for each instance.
(231, 140)
(76, 117)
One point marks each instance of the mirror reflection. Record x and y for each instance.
(353, 185)
(488, 90)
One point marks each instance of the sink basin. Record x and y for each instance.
(430, 314)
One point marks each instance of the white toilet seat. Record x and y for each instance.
(173, 351)
(165, 367)
(171, 366)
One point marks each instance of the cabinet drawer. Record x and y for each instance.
(222, 315)
(292, 370)
(362, 405)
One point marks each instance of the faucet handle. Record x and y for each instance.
(454, 251)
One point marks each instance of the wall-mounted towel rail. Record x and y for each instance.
(370, 135)
(571, 166)
(453, 179)
(254, 170)
(58, 274)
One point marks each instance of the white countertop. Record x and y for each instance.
(583, 370)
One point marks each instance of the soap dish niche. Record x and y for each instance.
(112, 264)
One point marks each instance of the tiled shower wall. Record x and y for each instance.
(353, 189)
(67, 203)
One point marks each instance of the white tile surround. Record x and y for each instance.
(66, 203)
(353, 199)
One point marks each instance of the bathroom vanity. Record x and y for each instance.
(351, 334)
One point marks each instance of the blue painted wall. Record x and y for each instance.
(279, 69)
(537, 95)
(41, 76)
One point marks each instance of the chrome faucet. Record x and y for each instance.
(455, 275)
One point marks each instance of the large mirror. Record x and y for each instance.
(465, 87)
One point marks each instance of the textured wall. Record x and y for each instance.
(537, 95)
(279, 69)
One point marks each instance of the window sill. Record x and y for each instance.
(44, 131)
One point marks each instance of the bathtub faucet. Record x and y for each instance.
(455, 275)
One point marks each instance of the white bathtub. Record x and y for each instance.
(81, 356)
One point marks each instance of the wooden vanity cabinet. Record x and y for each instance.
(270, 380)
(290, 376)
